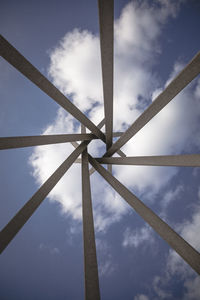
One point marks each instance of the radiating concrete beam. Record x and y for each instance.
(185, 160)
(83, 129)
(92, 170)
(23, 215)
(17, 60)
(121, 153)
(106, 17)
(29, 141)
(75, 144)
(78, 161)
(109, 168)
(100, 125)
(185, 250)
(90, 258)
(117, 134)
(174, 87)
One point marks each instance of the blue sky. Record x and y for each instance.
(153, 41)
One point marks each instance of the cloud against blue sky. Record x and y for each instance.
(75, 69)
(150, 268)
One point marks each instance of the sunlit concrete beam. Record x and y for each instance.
(121, 153)
(90, 258)
(78, 161)
(29, 141)
(109, 168)
(185, 160)
(106, 17)
(101, 124)
(83, 129)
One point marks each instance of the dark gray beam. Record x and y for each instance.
(92, 170)
(78, 161)
(121, 153)
(185, 250)
(90, 258)
(116, 134)
(185, 160)
(175, 86)
(29, 141)
(9, 53)
(106, 16)
(100, 125)
(18, 221)
(83, 129)
(75, 144)
(109, 168)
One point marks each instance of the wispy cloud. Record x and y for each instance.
(106, 263)
(172, 195)
(141, 297)
(49, 249)
(134, 238)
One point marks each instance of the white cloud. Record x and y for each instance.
(160, 292)
(75, 69)
(108, 205)
(193, 289)
(132, 29)
(106, 268)
(50, 249)
(45, 160)
(141, 297)
(106, 264)
(134, 238)
(172, 195)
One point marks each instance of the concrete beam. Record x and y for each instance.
(185, 160)
(117, 134)
(83, 129)
(185, 250)
(174, 87)
(109, 168)
(100, 125)
(29, 141)
(90, 258)
(106, 17)
(121, 153)
(78, 161)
